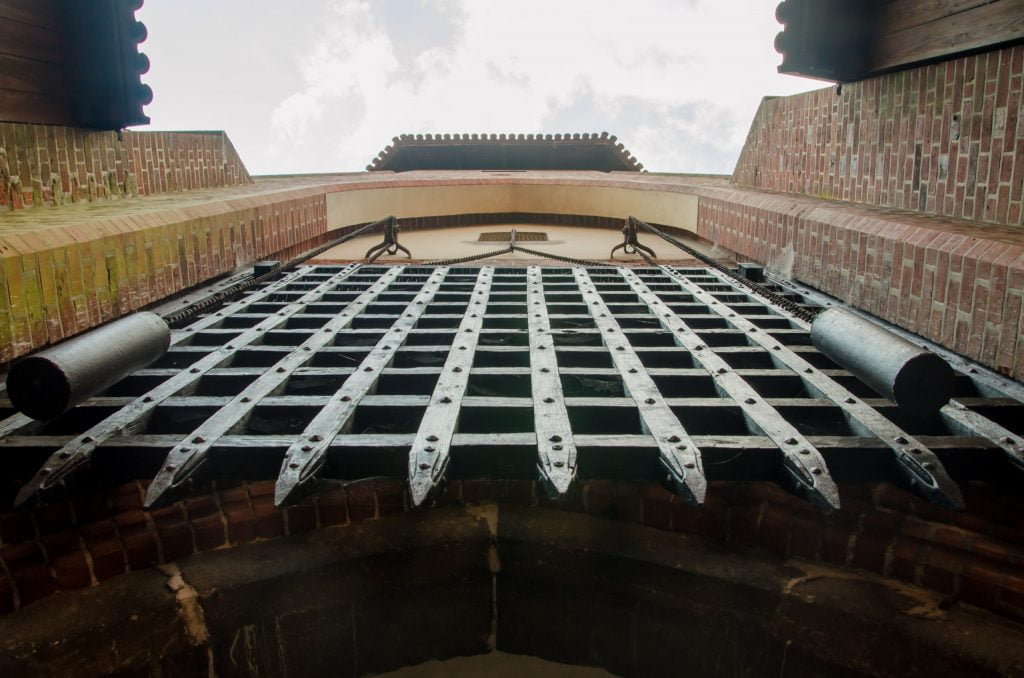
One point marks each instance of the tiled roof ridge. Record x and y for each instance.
(603, 138)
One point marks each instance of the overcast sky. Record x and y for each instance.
(323, 85)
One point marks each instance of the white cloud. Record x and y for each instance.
(678, 82)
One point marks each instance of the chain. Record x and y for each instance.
(807, 314)
(185, 315)
(472, 257)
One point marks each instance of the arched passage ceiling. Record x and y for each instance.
(378, 595)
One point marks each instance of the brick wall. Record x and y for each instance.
(944, 139)
(933, 277)
(56, 283)
(44, 165)
(974, 556)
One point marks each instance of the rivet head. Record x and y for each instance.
(901, 440)
(914, 450)
(446, 399)
(632, 370)
(246, 399)
(1008, 440)
(64, 454)
(429, 448)
(791, 441)
(307, 448)
(367, 369)
(424, 466)
(456, 369)
(169, 468)
(808, 370)
(555, 439)
(559, 464)
(750, 401)
(556, 447)
(316, 438)
(293, 465)
(850, 401)
(194, 370)
(549, 400)
(674, 439)
(928, 465)
(147, 399)
(45, 471)
(649, 401)
(346, 398)
(432, 438)
(620, 348)
(816, 471)
(199, 439)
(280, 369)
(803, 451)
(87, 439)
(689, 464)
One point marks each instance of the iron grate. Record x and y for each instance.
(423, 373)
(506, 236)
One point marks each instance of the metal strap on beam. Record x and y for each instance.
(678, 452)
(803, 464)
(77, 453)
(1009, 442)
(182, 463)
(919, 465)
(305, 457)
(431, 449)
(556, 448)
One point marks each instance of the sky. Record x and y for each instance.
(324, 85)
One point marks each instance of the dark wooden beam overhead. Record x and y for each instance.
(72, 62)
(845, 41)
(515, 152)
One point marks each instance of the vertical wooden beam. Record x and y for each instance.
(76, 453)
(556, 448)
(803, 464)
(920, 466)
(678, 452)
(431, 450)
(307, 455)
(192, 452)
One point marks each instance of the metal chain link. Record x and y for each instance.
(805, 313)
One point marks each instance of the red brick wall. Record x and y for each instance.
(49, 165)
(56, 283)
(973, 556)
(943, 139)
(932, 277)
